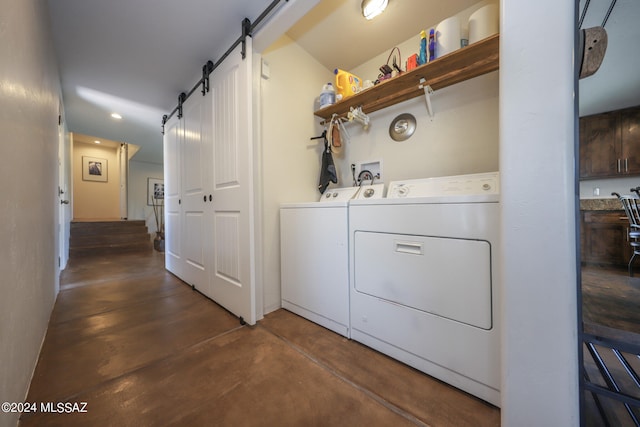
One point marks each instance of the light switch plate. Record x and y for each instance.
(265, 70)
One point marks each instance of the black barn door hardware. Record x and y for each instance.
(247, 31)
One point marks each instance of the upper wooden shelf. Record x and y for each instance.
(463, 64)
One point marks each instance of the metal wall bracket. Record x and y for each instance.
(427, 95)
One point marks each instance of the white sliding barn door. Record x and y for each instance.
(197, 162)
(173, 134)
(233, 278)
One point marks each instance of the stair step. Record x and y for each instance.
(108, 237)
(111, 249)
(106, 227)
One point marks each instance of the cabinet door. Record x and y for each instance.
(599, 145)
(604, 237)
(630, 136)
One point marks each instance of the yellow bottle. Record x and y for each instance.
(347, 84)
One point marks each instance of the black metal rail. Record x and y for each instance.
(613, 389)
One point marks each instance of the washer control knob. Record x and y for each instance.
(402, 191)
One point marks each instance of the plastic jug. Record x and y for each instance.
(347, 84)
(327, 96)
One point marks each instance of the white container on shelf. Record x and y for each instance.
(483, 23)
(447, 36)
(327, 96)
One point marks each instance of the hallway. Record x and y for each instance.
(141, 348)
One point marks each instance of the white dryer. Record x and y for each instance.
(424, 279)
(314, 242)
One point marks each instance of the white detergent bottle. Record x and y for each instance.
(327, 96)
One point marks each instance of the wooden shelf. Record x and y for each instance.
(463, 64)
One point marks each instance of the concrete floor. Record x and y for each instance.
(140, 348)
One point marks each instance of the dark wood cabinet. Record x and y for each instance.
(610, 144)
(630, 138)
(604, 238)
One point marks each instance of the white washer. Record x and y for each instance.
(424, 279)
(314, 241)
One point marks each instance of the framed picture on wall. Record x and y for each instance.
(155, 191)
(94, 169)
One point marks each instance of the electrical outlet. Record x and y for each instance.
(596, 191)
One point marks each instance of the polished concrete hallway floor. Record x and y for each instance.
(140, 348)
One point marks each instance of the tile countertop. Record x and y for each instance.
(610, 204)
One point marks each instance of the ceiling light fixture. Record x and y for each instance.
(96, 141)
(116, 116)
(373, 8)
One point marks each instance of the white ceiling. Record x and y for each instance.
(135, 57)
(336, 33)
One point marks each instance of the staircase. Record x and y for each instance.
(90, 238)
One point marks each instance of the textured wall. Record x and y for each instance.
(29, 107)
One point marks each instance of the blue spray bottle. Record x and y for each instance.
(422, 57)
(432, 45)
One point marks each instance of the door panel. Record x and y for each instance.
(195, 183)
(173, 224)
(233, 283)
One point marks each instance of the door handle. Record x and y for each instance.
(415, 248)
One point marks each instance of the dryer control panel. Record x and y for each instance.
(458, 185)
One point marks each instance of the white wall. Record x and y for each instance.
(139, 173)
(29, 103)
(538, 123)
(606, 186)
(461, 138)
(93, 199)
(290, 161)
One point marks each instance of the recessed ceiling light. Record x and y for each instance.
(96, 141)
(116, 116)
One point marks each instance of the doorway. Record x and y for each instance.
(609, 297)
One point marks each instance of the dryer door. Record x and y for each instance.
(447, 277)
